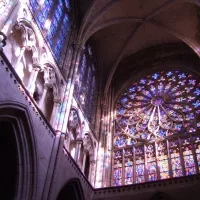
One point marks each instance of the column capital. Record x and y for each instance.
(57, 101)
(37, 66)
(79, 141)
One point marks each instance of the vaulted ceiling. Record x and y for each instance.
(124, 29)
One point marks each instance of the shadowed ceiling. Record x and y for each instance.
(125, 31)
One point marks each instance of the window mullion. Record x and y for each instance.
(194, 155)
(123, 168)
(169, 160)
(182, 159)
(157, 167)
(134, 166)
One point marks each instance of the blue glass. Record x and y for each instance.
(44, 13)
(67, 3)
(33, 5)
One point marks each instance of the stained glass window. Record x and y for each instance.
(188, 157)
(67, 3)
(128, 154)
(53, 18)
(56, 19)
(197, 149)
(163, 160)
(140, 173)
(44, 13)
(33, 5)
(62, 37)
(85, 84)
(118, 168)
(151, 162)
(158, 116)
(175, 159)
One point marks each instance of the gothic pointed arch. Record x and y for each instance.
(19, 143)
(71, 190)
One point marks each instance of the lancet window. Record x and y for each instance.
(157, 128)
(55, 17)
(85, 83)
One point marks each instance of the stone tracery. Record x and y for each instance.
(163, 105)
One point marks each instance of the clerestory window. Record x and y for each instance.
(53, 17)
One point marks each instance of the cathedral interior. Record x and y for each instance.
(100, 99)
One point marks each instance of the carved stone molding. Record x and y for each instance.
(2, 40)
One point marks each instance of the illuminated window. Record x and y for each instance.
(33, 5)
(85, 83)
(53, 17)
(118, 168)
(158, 118)
(44, 13)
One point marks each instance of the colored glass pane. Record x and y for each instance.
(33, 5)
(175, 159)
(128, 154)
(85, 86)
(62, 37)
(188, 157)
(162, 106)
(151, 162)
(162, 102)
(163, 160)
(67, 3)
(55, 21)
(139, 157)
(44, 13)
(196, 141)
(118, 168)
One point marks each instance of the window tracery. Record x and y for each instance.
(157, 119)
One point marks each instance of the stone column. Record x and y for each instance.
(78, 150)
(68, 94)
(32, 80)
(67, 141)
(54, 165)
(22, 50)
(92, 172)
(84, 160)
(41, 103)
(56, 105)
(7, 26)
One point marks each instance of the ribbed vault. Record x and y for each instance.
(122, 28)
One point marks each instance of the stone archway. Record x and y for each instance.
(72, 190)
(18, 165)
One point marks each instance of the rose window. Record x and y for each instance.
(163, 106)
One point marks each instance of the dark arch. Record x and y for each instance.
(8, 167)
(17, 135)
(72, 191)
